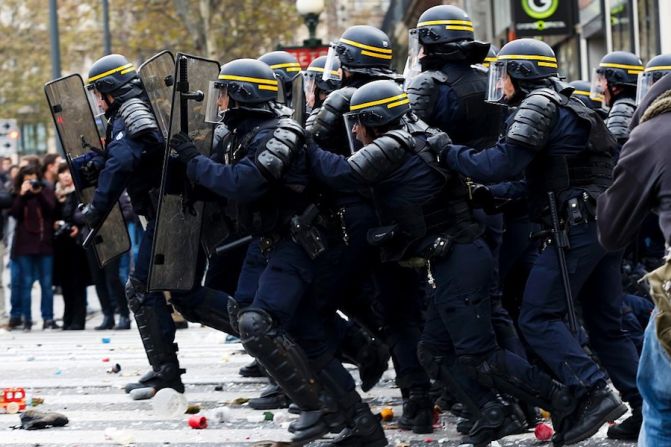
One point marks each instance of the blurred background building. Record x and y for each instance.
(592, 27)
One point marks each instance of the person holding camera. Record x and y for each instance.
(71, 266)
(32, 249)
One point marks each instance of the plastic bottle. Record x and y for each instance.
(168, 403)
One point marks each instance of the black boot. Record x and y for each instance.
(161, 353)
(417, 412)
(497, 419)
(365, 431)
(252, 370)
(107, 323)
(14, 323)
(272, 397)
(599, 406)
(123, 323)
(169, 375)
(628, 429)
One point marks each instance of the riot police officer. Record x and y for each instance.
(134, 144)
(565, 149)
(265, 182)
(615, 82)
(316, 87)
(449, 93)
(364, 54)
(655, 69)
(286, 69)
(582, 92)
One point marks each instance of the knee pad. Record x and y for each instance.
(135, 293)
(254, 323)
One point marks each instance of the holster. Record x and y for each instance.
(306, 234)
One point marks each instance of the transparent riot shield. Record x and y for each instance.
(298, 100)
(78, 134)
(158, 77)
(180, 213)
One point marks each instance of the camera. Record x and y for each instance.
(35, 184)
(62, 228)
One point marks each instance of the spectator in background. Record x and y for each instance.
(32, 247)
(8, 237)
(50, 166)
(5, 203)
(71, 267)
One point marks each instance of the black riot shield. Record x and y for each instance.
(158, 77)
(180, 214)
(78, 133)
(298, 100)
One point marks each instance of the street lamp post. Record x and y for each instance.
(310, 10)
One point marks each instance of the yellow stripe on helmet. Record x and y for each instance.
(109, 72)
(445, 22)
(377, 55)
(268, 87)
(366, 47)
(630, 68)
(286, 65)
(391, 100)
(398, 103)
(321, 70)
(581, 92)
(658, 68)
(531, 57)
(547, 64)
(247, 79)
(460, 28)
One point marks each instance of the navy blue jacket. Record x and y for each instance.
(134, 164)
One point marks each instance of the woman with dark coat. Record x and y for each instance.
(71, 266)
(32, 249)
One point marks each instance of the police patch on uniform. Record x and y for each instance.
(119, 136)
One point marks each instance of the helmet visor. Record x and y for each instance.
(217, 102)
(310, 89)
(599, 85)
(331, 66)
(645, 81)
(95, 99)
(497, 76)
(352, 125)
(412, 67)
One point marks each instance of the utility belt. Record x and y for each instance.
(577, 211)
(303, 231)
(437, 247)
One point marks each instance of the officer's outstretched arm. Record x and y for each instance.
(332, 170)
(123, 157)
(496, 164)
(242, 181)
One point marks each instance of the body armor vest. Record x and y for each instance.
(590, 169)
(446, 213)
(271, 214)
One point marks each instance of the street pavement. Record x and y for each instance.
(69, 370)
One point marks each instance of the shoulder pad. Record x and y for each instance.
(383, 156)
(423, 90)
(311, 119)
(137, 117)
(328, 119)
(534, 119)
(287, 140)
(619, 118)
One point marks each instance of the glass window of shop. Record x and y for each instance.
(648, 28)
(621, 25)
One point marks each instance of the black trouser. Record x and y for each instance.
(74, 298)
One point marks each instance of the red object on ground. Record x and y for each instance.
(13, 400)
(198, 422)
(543, 432)
(106, 359)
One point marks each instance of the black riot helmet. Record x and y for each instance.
(620, 68)
(315, 72)
(249, 84)
(444, 24)
(528, 63)
(284, 64)
(362, 49)
(582, 92)
(378, 103)
(658, 67)
(109, 73)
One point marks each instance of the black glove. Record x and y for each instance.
(439, 143)
(184, 147)
(90, 215)
(91, 170)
